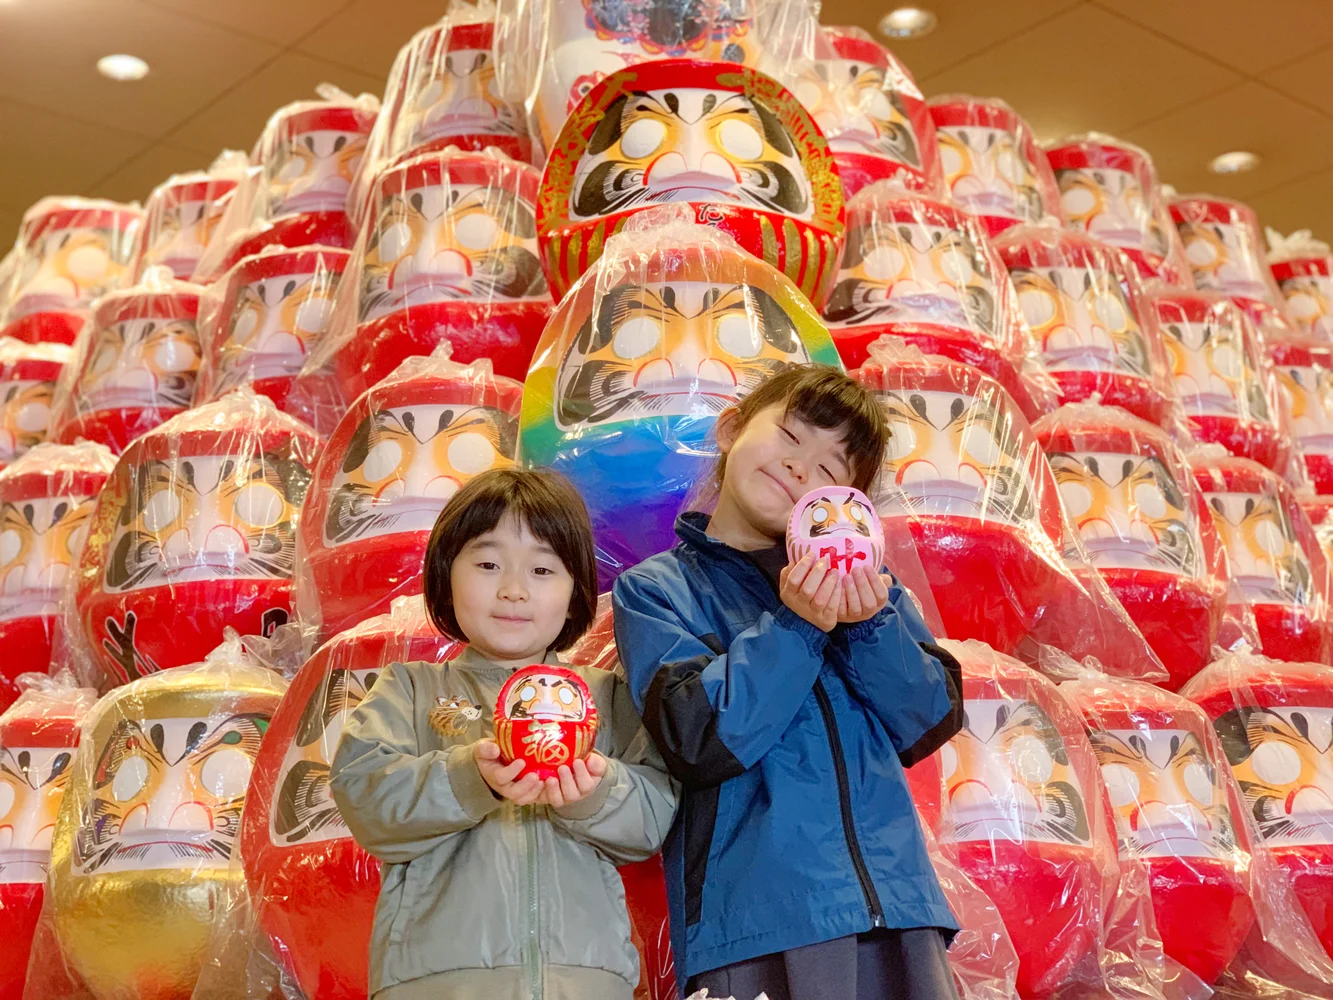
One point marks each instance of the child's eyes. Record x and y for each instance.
(487, 565)
(544, 571)
(790, 436)
(829, 475)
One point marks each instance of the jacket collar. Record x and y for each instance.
(470, 659)
(692, 529)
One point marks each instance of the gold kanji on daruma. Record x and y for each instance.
(546, 717)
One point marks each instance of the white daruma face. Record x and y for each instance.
(836, 523)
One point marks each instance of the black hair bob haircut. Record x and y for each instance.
(552, 510)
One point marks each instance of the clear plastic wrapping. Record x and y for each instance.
(1109, 189)
(70, 251)
(260, 323)
(29, 374)
(134, 366)
(674, 323)
(1224, 246)
(194, 531)
(391, 464)
(735, 146)
(1304, 369)
(1224, 382)
(448, 252)
(46, 498)
(1145, 526)
(1276, 562)
(923, 271)
(183, 213)
(992, 164)
(1094, 329)
(965, 477)
(141, 856)
(1302, 266)
(38, 734)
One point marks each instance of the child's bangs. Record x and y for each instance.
(839, 403)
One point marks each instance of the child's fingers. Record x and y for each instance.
(510, 772)
(868, 595)
(554, 794)
(827, 592)
(881, 584)
(596, 764)
(796, 574)
(486, 750)
(816, 578)
(851, 603)
(583, 777)
(569, 787)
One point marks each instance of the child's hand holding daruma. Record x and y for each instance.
(504, 778)
(575, 782)
(864, 593)
(812, 590)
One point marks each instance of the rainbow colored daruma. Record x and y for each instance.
(545, 716)
(686, 323)
(734, 144)
(839, 525)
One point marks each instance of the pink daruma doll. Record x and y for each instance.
(546, 716)
(838, 524)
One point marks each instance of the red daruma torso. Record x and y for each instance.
(1163, 772)
(313, 888)
(1275, 721)
(1020, 811)
(1145, 527)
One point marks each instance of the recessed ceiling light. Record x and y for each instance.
(1236, 162)
(122, 67)
(907, 22)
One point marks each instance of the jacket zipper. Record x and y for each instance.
(534, 945)
(845, 801)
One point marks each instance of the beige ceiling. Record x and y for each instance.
(1188, 79)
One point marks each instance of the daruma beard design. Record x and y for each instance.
(39, 540)
(673, 349)
(690, 144)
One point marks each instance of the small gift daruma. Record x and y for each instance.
(1303, 269)
(182, 215)
(545, 716)
(28, 377)
(1304, 368)
(838, 524)
(1224, 246)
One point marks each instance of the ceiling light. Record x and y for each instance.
(907, 22)
(1236, 162)
(122, 67)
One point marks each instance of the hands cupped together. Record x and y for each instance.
(574, 782)
(823, 597)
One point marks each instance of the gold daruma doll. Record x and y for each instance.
(141, 856)
(546, 716)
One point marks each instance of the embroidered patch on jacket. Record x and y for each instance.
(452, 716)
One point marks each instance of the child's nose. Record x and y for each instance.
(797, 469)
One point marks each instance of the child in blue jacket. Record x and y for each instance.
(788, 700)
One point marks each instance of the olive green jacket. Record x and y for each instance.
(481, 898)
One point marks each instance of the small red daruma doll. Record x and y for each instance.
(838, 524)
(1224, 246)
(1304, 368)
(28, 376)
(1303, 269)
(545, 716)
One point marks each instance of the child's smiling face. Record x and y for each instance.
(511, 593)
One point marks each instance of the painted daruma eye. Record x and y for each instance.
(819, 515)
(395, 241)
(130, 779)
(471, 453)
(527, 693)
(566, 696)
(259, 505)
(738, 337)
(636, 337)
(382, 461)
(642, 138)
(161, 510)
(476, 231)
(858, 512)
(740, 139)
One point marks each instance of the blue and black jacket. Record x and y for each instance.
(796, 826)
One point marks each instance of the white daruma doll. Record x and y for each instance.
(838, 524)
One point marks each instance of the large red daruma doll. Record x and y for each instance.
(1094, 329)
(728, 141)
(1109, 190)
(181, 217)
(312, 887)
(1021, 813)
(448, 252)
(28, 377)
(1304, 369)
(1275, 722)
(261, 322)
(1303, 269)
(46, 498)
(925, 272)
(38, 735)
(992, 164)
(1145, 527)
(195, 531)
(1222, 378)
(1224, 246)
(394, 460)
(1174, 812)
(872, 113)
(1274, 556)
(136, 366)
(70, 251)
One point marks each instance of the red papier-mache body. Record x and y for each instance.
(448, 252)
(1095, 331)
(1224, 246)
(392, 463)
(312, 887)
(772, 184)
(926, 272)
(46, 498)
(1145, 528)
(137, 367)
(992, 164)
(28, 377)
(1175, 813)
(1304, 369)
(195, 531)
(37, 741)
(1222, 377)
(1274, 554)
(1274, 721)
(1020, 811)
(1303, 270)
(1109, 190)
(546, 717)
